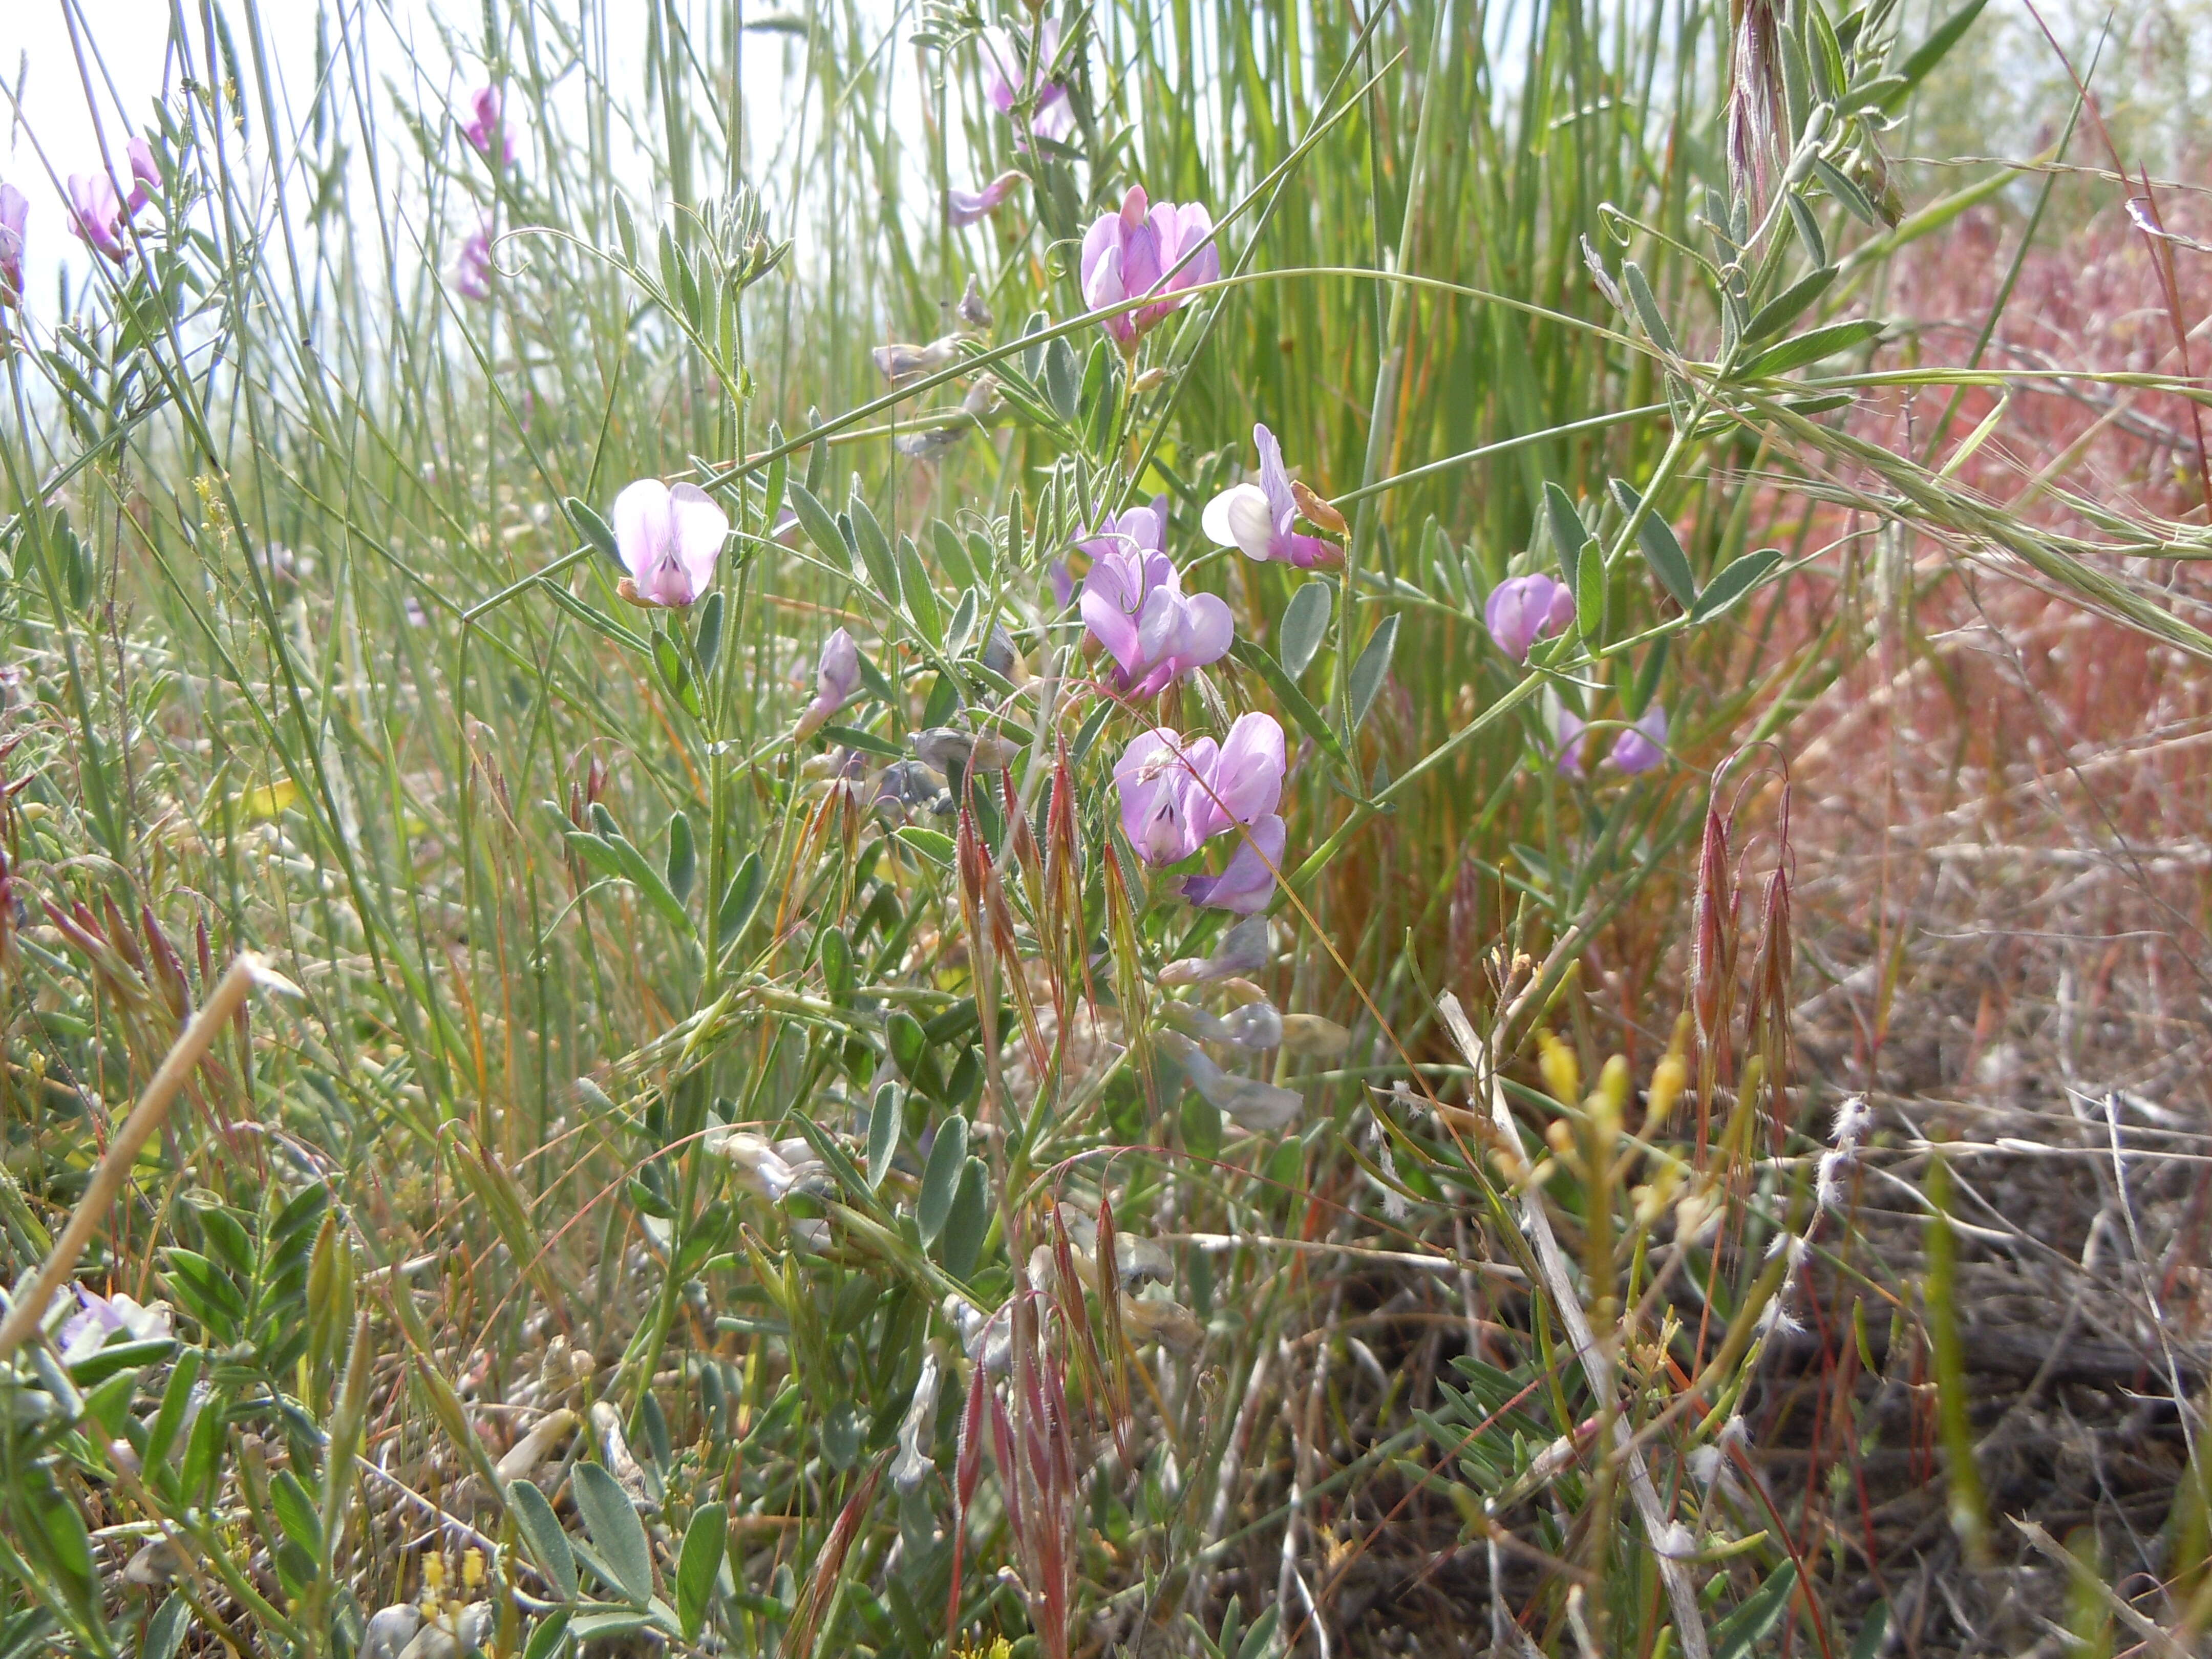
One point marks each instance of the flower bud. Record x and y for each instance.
(1562, 1077)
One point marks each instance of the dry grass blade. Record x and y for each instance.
(245, 976)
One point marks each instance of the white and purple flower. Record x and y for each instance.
(669, 540)
(486, 125)
(14, 211)
(97, 213)
(1255, 518)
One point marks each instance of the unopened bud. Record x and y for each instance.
(1563, 1076)
(1668, 1078)
(1614, 1084)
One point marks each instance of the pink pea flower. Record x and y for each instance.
(1569, 732)
(1248, 882)
(98, 1318)
(145, 176)
(1135, 606)
(14, 211)
(967, 207)
(472, 271)
(1246, 782)
(1063, 583)
(1256, 517)
(836, 677)
(1177, 793)
(1005, 81)
(1157, 777)
(97, 213)
(487, 126)
(669, 539)
(1127, 255)
(1527, 608)
(1644, 745)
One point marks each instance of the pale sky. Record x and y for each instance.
(53, 133)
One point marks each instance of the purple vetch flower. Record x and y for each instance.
(1527, 608)
(669, 540)
(486, 125)
(145, 176)
(836, 677)
(98, 1318)
(1256, 517)
(1063, 583)
(1146, 527)
(1129, 254)
(1568, 732)
(1246, 783)
(913, 1464)
(1157, 778)
(968, 207)
(1644, 745)
(1244, 949)
(771, 1168)
(472, 271)
(1052, 118)
(96, 213)
(974, 309)
(1261, 1108)
(1177, 793)
(15, 209)
(1255, 1025)
(1248, 882)
(1134, 606)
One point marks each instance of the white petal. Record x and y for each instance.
(700, 528)
(1215, 520)
(1245, 522)
(641, 525)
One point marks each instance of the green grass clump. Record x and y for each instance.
(758, 1151)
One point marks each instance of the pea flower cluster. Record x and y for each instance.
(1134, 606)
(1179, 792)
(1135, 253)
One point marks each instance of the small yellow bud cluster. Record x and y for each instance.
(1668, 1078)
(1562, 1076)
